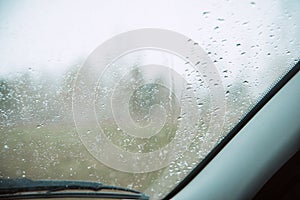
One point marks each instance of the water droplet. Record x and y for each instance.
(39, 125)
(200, 105)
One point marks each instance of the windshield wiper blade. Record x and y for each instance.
(23, 188)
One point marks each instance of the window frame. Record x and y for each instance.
(280, 85)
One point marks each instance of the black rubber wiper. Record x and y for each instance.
(23, 188)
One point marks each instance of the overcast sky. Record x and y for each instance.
(51, 36)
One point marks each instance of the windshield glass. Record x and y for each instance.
(133, 94)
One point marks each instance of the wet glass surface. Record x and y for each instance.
(161, 109)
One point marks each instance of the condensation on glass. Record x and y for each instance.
(44, 45)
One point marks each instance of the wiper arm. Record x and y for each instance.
(24, 188)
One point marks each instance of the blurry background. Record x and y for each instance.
(44, 43)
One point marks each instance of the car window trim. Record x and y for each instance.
(275, 89)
